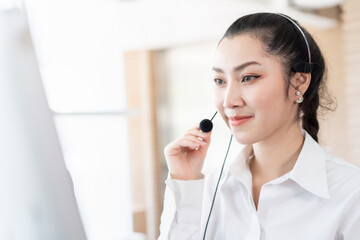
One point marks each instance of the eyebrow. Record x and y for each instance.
(237, 68)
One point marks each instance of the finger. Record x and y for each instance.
(199, 134)
(195, 132)
(195, 139)
(186, 143)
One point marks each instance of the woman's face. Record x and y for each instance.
(250, 90)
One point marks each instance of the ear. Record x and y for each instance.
(299, 82)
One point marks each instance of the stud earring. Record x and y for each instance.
(300, 99)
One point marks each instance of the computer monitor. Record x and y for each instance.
(37, 200)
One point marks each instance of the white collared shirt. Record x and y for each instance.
(319, 199)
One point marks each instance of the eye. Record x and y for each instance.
(248, 78)
(219, 81)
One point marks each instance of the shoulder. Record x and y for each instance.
(338, 169)
(343, 177)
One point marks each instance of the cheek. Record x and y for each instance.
(266, 101)
(258, 98)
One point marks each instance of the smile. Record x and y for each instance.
(239, 120)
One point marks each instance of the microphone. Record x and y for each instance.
(206, 125)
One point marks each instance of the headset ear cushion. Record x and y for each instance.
(304, 67)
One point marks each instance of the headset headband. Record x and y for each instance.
(305, 67)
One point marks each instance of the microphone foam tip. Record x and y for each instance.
(206, 125)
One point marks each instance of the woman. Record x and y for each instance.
(268, 86)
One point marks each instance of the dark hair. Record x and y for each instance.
(282, 39)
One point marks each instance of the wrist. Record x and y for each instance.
(187, 178)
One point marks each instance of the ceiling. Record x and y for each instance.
(165, 23)
(159, 24)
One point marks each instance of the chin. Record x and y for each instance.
(244, 138)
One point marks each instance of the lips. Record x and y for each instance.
(239, 120)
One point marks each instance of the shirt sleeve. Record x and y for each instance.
(350, 226)
(181, 216)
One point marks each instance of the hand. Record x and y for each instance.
(185, 156)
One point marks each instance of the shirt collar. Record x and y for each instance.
(310, 168)
(309, 171)
(239, 168)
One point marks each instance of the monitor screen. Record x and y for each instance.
(36, 192)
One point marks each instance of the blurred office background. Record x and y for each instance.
(124, 77)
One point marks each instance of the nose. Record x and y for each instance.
(233, 97)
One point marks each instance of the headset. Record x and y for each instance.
(206, 125)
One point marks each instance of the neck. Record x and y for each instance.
(277, 154)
